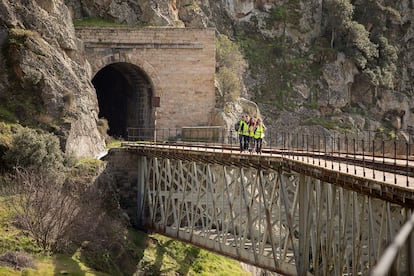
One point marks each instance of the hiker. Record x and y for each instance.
(252, 128)
(259, 135)
(246, 134)
(242, 130)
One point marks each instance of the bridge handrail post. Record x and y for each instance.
(406, 161)
(324, 144)
(287, 143)
(339, 152)
(373, 158)
(287, 137)
(307, 148)
(346, 152)
(313, 148)
(363, 157)
(205, 142)
(319, 149)
(231, 139)
(383, 157)
(222, 139)
(275, 146)
(303, 146)
(354, 142)
(297, 145)
(395, 160)
(332, 151)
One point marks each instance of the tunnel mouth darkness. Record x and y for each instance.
(125, 96)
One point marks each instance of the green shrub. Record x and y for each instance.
(34, 149)
(229, 84)
(360, 40)
(278, 13)
(228, 55)
(7, 116)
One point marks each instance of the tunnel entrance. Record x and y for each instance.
(125, 96)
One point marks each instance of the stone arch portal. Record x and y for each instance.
(125, 97)
(171, 70)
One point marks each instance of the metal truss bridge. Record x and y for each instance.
(294, 210)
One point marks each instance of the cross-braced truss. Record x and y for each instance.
(272, 218)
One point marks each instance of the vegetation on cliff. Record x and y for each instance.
(230, 66)
(57, 215)
(364, 36)
(333, 61)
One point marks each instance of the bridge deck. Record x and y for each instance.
(388, 179)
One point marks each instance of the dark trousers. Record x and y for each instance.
(259, 142)
(241, 141)
(244, 142)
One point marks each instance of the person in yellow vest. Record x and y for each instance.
(259, 134)
(242, 132)
(252, 128)
(245, 133)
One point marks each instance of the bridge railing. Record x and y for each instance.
(362, 140)
(381, 156)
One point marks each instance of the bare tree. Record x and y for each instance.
(42, 206)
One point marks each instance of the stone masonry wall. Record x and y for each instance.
(180, 63)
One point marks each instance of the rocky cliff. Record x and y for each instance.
(309, 65)
(43, 76)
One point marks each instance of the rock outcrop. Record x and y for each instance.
(45, 71)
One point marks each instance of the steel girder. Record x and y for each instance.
(272, 218)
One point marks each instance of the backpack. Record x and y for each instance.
(237, 126)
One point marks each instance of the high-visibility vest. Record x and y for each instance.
(242, 127)
(245, 129)
(259, 133)
(251, 131)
